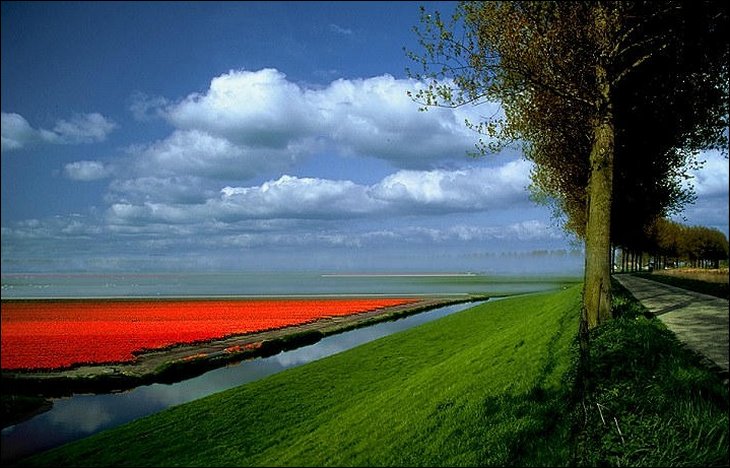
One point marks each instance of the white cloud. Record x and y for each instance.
(201, 185)
(712, 179)
(710, 183)
(340, 30)
(257, 108)
(161, 200)
(528, 230)
(145, 108)
(16, 132)
(468, 189)
(171, 189)
(375, 117)
(81, 128)
(293, 197)
(57, 227)
(371, 117)
(87, 170)
(197, 153)
(532, 229)
(251, 123)
(288, 198)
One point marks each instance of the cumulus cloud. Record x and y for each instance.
(257, 108)
(710, 183)
(253, 123)
(289, 197)
(375, 117)
(197, 153)
(81, 128)
(712, 179)
(87, 170)
(145, 108)
(293, 197)
(371, 117)
(16, 132)
(201, 185)
(472, 189)
(250, 123)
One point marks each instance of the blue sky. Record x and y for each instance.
(143, 136)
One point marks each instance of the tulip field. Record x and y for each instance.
(57, 334)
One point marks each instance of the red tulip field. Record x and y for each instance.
(56, 334)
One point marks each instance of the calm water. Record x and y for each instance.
(16, 286)
(82, 415)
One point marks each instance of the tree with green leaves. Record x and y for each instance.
(570, 76)
(698, 246)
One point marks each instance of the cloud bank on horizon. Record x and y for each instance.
(260, 171)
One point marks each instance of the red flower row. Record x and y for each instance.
(53, 334)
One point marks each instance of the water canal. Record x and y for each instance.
(78, 416)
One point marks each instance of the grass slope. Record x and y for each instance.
(481, 387)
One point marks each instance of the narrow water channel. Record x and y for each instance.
(79, 416)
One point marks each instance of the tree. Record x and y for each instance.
(704, 247)
(664, 114)
(563, 72)
(700, 246)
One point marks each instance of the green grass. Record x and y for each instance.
(671, 411)
(490, 386)
(705, 287)
(481, 387)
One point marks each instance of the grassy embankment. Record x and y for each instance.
(480, 387)
(488, 386)
(712, 282)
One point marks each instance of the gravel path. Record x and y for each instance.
(700, 321)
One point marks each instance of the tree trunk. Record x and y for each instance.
(630, 264)
(597, 283)
(613, 259)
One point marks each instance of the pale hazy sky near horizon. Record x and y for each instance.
(141, 136)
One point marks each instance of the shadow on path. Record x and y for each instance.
(702, 322)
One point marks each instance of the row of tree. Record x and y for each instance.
(611, 100)
(668, 244)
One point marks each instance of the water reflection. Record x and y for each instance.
(82, 415)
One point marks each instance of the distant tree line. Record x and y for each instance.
(668, 244)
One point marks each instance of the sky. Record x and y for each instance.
(247, 136)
